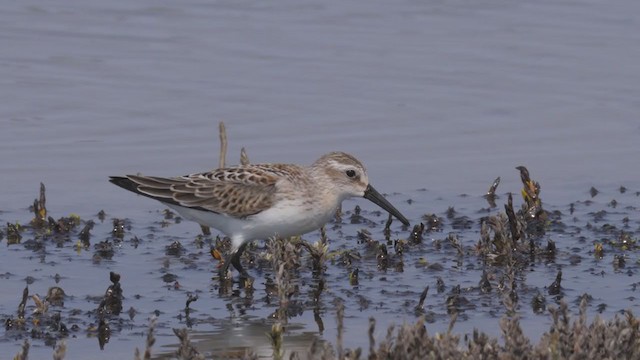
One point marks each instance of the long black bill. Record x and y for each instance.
(374, 196)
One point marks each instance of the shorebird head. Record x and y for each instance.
(350, 180)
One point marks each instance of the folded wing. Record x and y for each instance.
(237, 197)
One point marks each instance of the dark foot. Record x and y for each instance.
(224, 270)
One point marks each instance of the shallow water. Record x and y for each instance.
(443, 96)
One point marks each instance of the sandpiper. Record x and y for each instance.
(257, 201)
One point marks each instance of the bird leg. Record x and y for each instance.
(234, 259)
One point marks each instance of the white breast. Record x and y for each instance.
(287, 219)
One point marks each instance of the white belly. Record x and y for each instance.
(284, 220)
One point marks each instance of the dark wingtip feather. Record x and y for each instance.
(128, 184)
(125, 183)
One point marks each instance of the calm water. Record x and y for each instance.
(442, 95)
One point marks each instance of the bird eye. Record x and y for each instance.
(351, 173)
